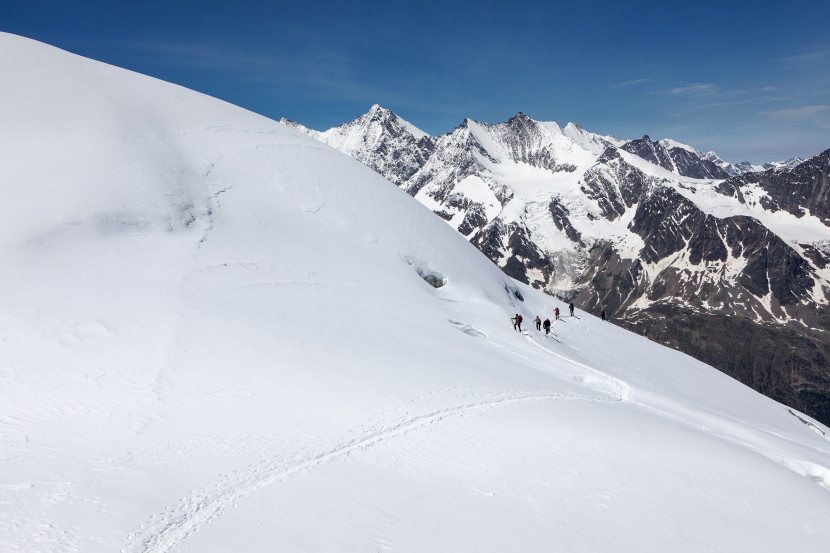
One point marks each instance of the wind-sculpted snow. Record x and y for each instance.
(217, 335)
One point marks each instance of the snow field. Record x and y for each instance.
(218, 337)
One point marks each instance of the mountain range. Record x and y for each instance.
(729, 263)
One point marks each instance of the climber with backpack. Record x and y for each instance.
(546, 324)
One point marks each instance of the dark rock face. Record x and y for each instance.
(691, 165)
(680, 160)
(615, 184)
(475, 218)
(672, 225)
(788, 363)
(650, 151)
(510, 247)
(819, 258)
(697, 307)
(560, 218)
(612, 283)
(663, 222)
(443, 214)
(731, 187)
(523, 139)
(804, 188)
(490, 242)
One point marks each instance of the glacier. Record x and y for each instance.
(216, 335)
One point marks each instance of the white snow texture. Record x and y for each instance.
(215, 335)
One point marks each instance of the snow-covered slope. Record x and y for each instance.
(653, 232)
(217, 335)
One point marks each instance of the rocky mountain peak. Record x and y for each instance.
(650, 151)
(519, 125)
(521, 119)
(377, 111)
(650, 242)
(376, 114)
(675, 157)
(798, 190)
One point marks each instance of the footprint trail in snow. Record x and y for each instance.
(198, 509)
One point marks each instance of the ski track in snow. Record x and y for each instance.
(616, 385)
(178, 522)
(619, 386)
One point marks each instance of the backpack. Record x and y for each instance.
(518, 318)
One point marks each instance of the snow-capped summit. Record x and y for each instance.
(747, 167)
(635, 226)
(380, 130)
(371, 124)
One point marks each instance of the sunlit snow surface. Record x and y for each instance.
(215, 336)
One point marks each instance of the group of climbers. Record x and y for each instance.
(517, 320)
(547, 325)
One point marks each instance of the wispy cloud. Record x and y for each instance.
(729, 102)
(811, 56)
(694, 89)
(635, 81)
(797, 114)
(804, 73)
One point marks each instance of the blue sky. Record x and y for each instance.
(750, 80)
